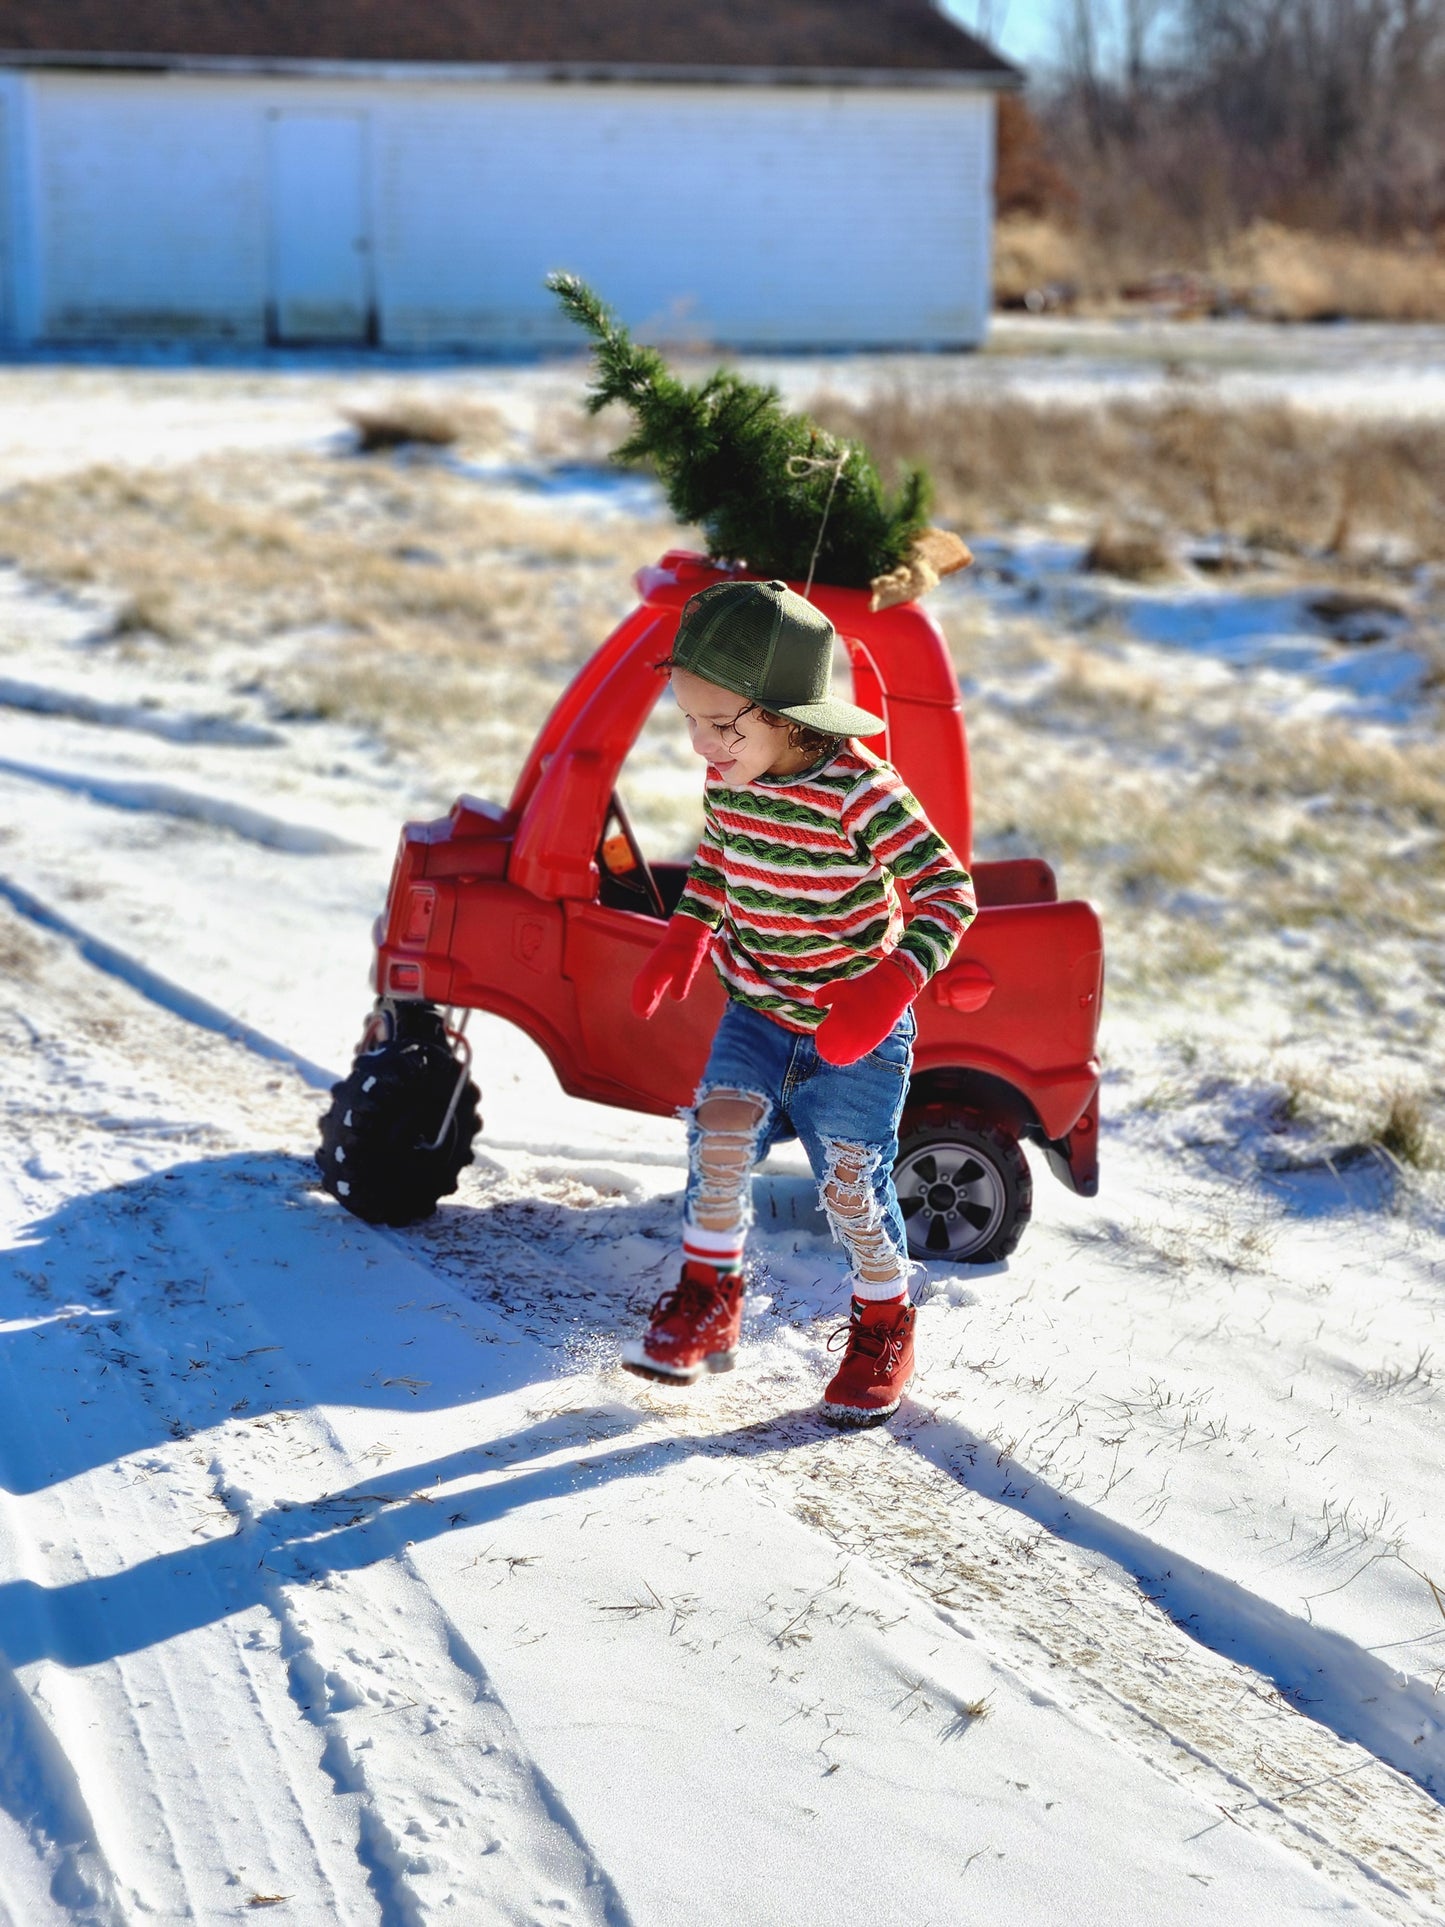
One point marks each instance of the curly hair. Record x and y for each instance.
(815, 742)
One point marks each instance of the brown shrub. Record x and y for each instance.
(1026, 179)
(1134, 555)
(405, 420)
(148, 613)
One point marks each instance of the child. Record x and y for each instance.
(792, 892)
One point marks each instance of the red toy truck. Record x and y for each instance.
(543, 912)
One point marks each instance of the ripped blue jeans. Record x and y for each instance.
(768, 1083)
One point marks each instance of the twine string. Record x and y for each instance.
(798, 467)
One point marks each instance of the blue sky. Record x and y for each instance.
(1022, 30)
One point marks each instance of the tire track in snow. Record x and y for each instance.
(160, 990)
(41, 699)
(189, 806)
(486, 1779)
(40, 1792)
(336, 1637)
(354, 1656)
(317, 1695)
(613, 1912)
(134, 1715)
(366, 1660)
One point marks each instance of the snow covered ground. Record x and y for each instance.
(163, 409)
(343, 1573)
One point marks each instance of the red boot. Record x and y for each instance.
(877, 1364)
(694, 1327)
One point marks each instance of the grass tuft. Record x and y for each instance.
(411, 421)
(150, 612)
(1404, 1131)
(1132, 554)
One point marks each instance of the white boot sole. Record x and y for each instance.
(858, 1415)
(635, 1358)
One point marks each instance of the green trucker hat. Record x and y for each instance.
(764, 641)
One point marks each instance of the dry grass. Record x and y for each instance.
(1277, 273)
(232, 544)
(21, 948)
(404, 598)
(1032, 253)
(567, 432)
(1393, 1116)
(1297, 276)
(1088, 680)
(1269, 475)
(1253, 863)
(1342, 767)
(1404, 1130)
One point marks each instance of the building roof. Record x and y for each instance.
(859, 39)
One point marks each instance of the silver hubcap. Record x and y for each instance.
(953, 1201)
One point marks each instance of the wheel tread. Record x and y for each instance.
(393, 1100)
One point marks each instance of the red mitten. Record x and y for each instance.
(670, 969)
(862, 1011)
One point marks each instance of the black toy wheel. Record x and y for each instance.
(384, 1153)
(963, 1184)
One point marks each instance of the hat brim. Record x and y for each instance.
(832, 719)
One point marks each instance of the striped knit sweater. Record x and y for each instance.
(797, 875)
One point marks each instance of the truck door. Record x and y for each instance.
(652, 827)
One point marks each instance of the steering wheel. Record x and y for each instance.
(624, 823)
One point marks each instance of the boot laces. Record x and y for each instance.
(873, 1341)
(689, 1298)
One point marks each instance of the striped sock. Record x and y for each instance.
(892, 1292)
(723, 1250)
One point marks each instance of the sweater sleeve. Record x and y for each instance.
(705, 892)
(884, 820)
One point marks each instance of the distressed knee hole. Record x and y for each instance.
(855, 1216)
(730, 1112)
(725, 1129)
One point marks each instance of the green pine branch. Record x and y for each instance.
(732, 461)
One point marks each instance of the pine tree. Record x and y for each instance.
(756, 479)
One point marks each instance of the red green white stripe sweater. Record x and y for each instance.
(797, 875)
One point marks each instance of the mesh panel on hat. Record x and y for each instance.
(728, 630)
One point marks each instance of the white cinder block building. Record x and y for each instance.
(750, 173)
